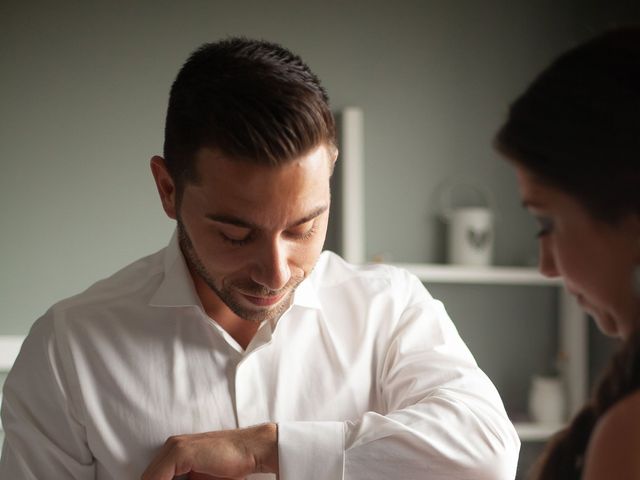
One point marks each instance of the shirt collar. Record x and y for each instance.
(306, 294)
(177, 289)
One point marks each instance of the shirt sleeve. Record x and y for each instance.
(442, 416)
(44, 437)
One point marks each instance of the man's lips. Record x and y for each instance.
(263, 301)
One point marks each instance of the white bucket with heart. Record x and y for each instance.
(470, 235)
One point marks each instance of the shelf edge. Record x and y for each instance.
(529, 431)
(437, 273)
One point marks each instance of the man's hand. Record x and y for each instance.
(227, 454)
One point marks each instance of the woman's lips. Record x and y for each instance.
(263, 301)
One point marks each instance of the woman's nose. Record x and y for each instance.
(547, 262)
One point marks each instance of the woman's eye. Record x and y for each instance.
(545, 226)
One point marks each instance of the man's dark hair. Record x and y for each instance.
(251, 100)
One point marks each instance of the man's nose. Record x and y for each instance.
(547, 262)
(272, 267)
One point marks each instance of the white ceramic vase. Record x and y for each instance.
(547, 403)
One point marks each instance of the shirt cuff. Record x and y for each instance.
(311, 450)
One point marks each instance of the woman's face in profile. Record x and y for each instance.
(595, 259)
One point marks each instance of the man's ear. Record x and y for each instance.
(333, 158)
(165, 184)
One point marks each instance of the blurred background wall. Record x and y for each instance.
(84, 87)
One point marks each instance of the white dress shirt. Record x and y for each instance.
(365, 375)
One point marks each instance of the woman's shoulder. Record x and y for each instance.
(615, 442)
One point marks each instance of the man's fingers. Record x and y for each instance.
(165, 465)
(222, 455)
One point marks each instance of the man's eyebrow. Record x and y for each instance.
(230, 219)
(239, 222)
(314, 213)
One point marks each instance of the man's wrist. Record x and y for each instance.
(264, 448)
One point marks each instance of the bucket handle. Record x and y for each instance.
(446, 196)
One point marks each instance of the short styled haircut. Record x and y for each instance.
(251, 100)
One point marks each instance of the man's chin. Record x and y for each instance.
(257, 309)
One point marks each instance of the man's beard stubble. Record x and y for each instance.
(248, 287)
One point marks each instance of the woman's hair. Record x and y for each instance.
(577, 126)
(564, 454)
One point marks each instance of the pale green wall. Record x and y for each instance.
(84, 88)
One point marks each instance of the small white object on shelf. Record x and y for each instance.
(547, 400)
(470, 235)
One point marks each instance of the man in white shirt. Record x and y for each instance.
(241, 351)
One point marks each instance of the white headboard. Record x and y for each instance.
(9, 348)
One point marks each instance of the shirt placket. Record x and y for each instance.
(253, 394)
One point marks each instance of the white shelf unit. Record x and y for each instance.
(9, 349)
(572, 322)
(441, 273)
(351, 191)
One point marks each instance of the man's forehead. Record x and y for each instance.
(216, 170)
(206, 156)
(250, 193)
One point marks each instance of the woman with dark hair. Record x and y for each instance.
(574, 140)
